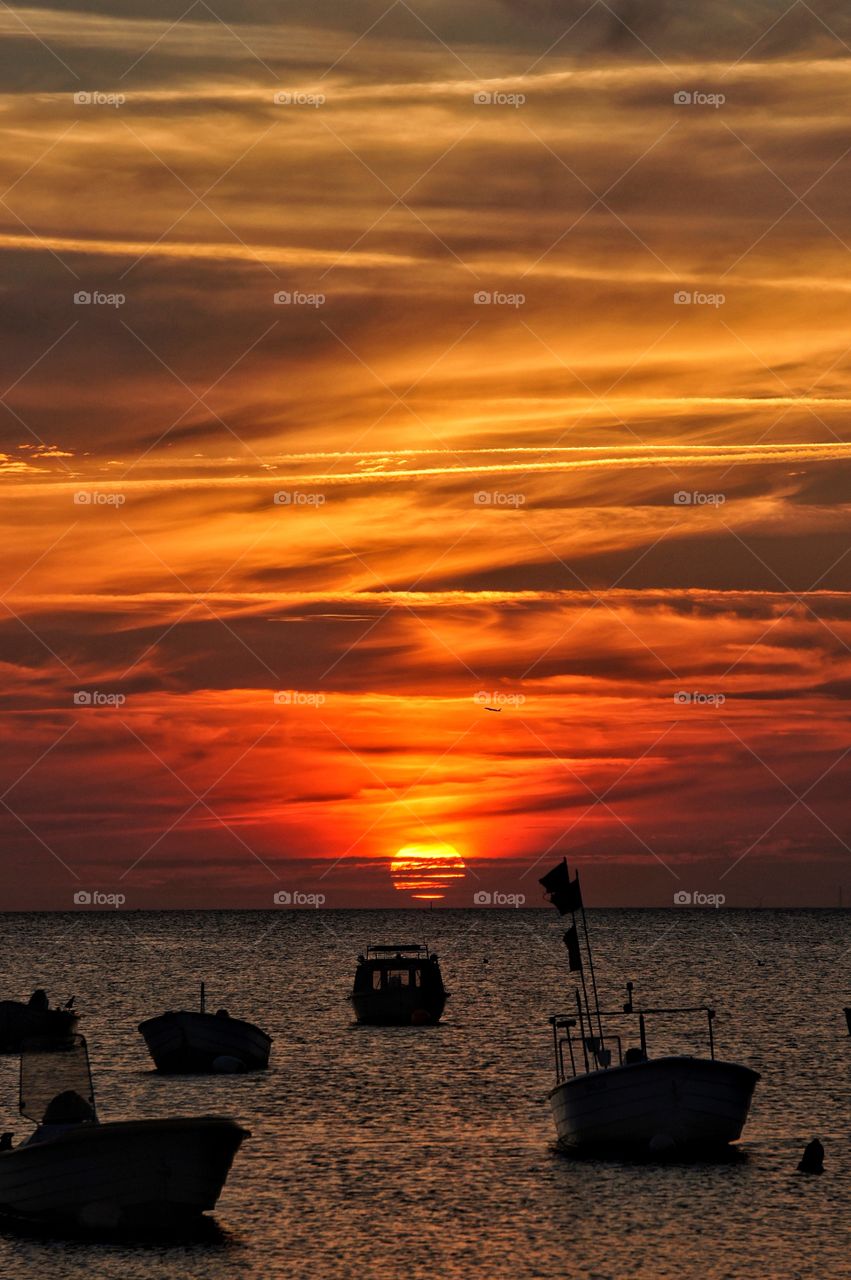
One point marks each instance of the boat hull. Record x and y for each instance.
(19, 1023)
(185, 1043)
(406, 1007)
(121, 1174)
(666, 1103)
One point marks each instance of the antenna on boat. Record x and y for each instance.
(203, 999)
(566, 896)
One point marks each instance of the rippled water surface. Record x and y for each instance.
(427, 1152)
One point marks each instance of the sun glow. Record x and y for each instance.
(426, 871)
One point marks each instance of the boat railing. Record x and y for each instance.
(407, 950)
(590, 1037)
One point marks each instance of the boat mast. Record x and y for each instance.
(590, 961)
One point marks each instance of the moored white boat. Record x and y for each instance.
(196, 1041)
(610, 1094)
(658, 1105)
(188, 1042)
(75, 1171)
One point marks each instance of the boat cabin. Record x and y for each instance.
(396, 967)
(398, 983)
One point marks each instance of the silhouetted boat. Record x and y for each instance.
(194, 1041)
(398, 985)
(77, 1172)
(848, 1020)
(609, 1096)
(20, 1021)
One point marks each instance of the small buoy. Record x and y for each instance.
(812, 1161)
(660, 1143)
(419, 1018)
(225, 1065)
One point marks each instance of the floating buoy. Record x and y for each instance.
(225, 1065)
(812, 1161)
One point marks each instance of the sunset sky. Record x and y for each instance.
(621, 477)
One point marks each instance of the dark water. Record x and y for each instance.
(428, 1152)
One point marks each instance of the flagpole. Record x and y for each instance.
(567, 896)
(585, 988)
(590, 962)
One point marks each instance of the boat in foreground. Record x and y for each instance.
(399, 985)
(612, 1094)
(77, 1172)
(194, 1041)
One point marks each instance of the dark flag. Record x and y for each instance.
(557, 880)
(571, 941)
(564, 893)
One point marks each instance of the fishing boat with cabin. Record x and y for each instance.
(610, 1091)
(398, 985)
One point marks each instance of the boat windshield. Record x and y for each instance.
(48, 1070)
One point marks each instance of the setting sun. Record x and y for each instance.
(425, 871)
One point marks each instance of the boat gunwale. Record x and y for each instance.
(665, 1059)
(214, 1019)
